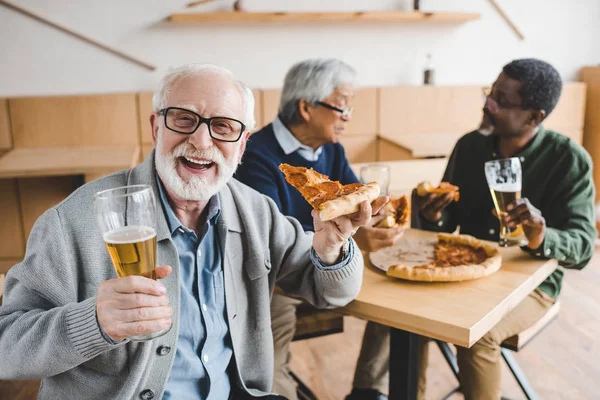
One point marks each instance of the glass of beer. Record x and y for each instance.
(504, 179)
(127, 219)
(379, 173)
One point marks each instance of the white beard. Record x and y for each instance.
(195, 188)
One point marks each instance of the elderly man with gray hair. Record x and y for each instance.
(221, 246)
(315, 107)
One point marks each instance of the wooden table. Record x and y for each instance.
(456, 312)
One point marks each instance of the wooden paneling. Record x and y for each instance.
(39, 194)
(390, 151)
(53, 161)
(429, 109)
(364, 116)
(74, 121)
(360, 148)
(146, 149)
(569, 114)
(270, 105)
(12, 243)
(144, 111)
(591, 137)
(5, 134)
(8, 263)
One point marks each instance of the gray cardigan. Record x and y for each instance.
(48, 325)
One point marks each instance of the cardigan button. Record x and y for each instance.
(147, 394)
(163, 350)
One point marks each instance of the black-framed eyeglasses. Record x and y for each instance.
(346, 112)
(487, 93)
(184, 121)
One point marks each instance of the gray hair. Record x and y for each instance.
(312, 80)
(159, 98)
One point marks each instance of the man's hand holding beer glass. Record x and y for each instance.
(133, 305)
(522, 212)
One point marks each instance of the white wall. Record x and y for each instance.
(37, 60)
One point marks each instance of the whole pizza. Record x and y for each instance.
(450, 258)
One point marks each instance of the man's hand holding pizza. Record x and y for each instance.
(331, 236)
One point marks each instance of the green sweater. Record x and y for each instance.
(557, 179)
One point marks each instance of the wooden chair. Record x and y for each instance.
(311, 323)
(512, 344)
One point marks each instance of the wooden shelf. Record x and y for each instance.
(372, 16)
(57, 161)
(425, 144)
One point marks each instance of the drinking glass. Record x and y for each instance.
(504, 180)
(127, 219)
(379, 173)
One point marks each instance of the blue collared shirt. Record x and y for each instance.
(204, 347)
(290, 144)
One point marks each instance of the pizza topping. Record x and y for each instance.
(451, 255)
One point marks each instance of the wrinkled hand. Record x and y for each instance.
(431, 206)
(521, 211)
(330, 236)
(370, 238)
(134, 305)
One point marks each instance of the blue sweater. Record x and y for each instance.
(260, 170)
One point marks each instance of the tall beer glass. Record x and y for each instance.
(504, 179)
(127, 219)
(379, 173)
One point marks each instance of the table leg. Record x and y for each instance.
(404, 365)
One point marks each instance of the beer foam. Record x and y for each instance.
(506, 187)
(129, 234)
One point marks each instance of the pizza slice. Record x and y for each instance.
(424, 188)
(398, 210)
(330, 198)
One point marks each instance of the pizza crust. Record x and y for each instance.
(431, 273)
(348, 203)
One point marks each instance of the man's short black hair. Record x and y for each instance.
(541, 84)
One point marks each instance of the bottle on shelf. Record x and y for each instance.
(429, 71)
(417, 5)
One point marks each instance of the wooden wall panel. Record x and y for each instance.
(144, 111)
(146, 149)
(74, 120)
(429, 109)
(389, 151)
(5, 133)
(360, 148)
(364, 117)
(569, 114)
(591, 136)
(39, 194)
(12, 243)
(270, 105)
(8, 263)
